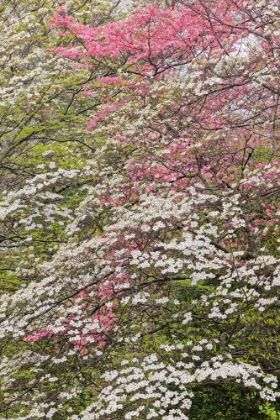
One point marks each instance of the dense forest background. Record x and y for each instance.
(139, 209)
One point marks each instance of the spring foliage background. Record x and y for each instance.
(140, 179)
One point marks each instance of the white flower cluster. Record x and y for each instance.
(156, 387)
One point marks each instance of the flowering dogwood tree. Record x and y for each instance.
(163, 288)
(42, 130)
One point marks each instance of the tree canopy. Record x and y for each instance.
(140, 177)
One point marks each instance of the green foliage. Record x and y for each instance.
(271, 412)
(225, 402)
